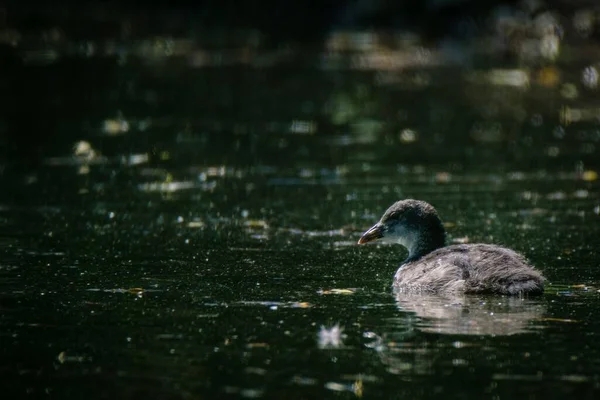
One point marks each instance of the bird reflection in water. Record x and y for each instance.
(472, 315)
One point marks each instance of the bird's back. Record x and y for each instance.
(471, 268)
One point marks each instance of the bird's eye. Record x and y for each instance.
(393, 215)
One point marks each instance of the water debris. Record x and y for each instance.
(461, 240)
(276, 304)
(589, 77)
(63, 357)
(332, 232)
(548, 77)
(174, 186)
(136, 291)
(589, 176)
(517, 377)
(255, 371)
(303, 380)
(340, 387)
(303, 127)
(408, 136)
(331, 337)
(115, 126)
(516, 78)
(169, 336)
(574, 290)
(302, 304)
(580, 286)
(549, 319)
(83, 155)
(252, 393)
(84, 151)
(358, 387)
(135, 159)
(344, 243)
(337, 291)
(443, 177)
(259, 345)
(256, 224)
(574, 378)
(539, 377)
(196, 224)
(570, 115)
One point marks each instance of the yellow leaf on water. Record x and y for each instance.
(589, 176)
(548, 77)
(301, 304)
(257, 345)
(256, 223)
(358, 388)
(337, 291)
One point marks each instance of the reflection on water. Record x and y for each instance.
(331, 337)
(472, 315)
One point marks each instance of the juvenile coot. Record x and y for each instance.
(432, 266)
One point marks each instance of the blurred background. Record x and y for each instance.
(443, 81)
(182, 186)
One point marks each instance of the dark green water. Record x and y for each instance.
(174, 232)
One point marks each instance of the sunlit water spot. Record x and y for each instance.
(589, 77)
(339, 387)
(331, 337)
(139, 292)
(135, 159)
(274, 305)
(170, 187)
(116, 126)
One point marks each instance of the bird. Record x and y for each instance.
(434, 267)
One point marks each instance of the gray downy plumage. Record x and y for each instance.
(431, 266)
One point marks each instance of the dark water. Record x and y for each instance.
(169, 230)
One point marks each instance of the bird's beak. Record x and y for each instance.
(376, 232)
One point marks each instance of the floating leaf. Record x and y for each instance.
(337, 291)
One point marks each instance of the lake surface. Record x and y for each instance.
(179, 227)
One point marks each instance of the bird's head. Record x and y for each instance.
(407, 222)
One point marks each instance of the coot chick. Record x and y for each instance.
(432, 266)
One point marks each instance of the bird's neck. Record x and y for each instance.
(424, 241)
